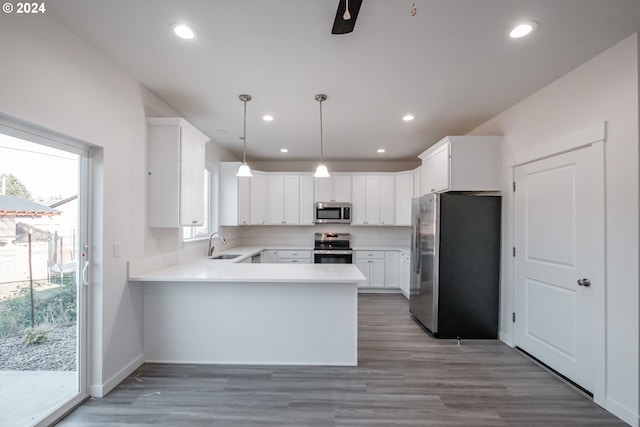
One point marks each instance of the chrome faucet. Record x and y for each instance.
(211, 236)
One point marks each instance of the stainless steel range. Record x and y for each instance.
(332, 248)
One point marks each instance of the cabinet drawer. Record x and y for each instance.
(294, 254)
(293, 261)
(369, 254)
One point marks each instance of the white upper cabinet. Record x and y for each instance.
(234, 195)
(417, 182)
(373, 200)
(359, 203)
(259, 198)
(404, 194)
(265, 198)
(336, 188)
(436, 168)
(176, 173)
(387, 200)
(284, 199)
(462, 163)
(306, 199)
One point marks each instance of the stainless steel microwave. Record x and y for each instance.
(332, 213)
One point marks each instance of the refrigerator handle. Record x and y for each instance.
(413, 241)
(417, 244)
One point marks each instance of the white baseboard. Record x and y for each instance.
(101, 390)
(625, 414)
(379, 291)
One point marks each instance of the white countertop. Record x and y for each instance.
(233, 270)
(381, 248)
(209, 270)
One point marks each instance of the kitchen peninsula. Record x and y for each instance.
(229, 312)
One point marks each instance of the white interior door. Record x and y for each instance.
(556, 213)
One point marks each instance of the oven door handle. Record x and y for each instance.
(331, 252)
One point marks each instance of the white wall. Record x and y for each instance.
(603, 89)
(53, 79)
(303, 236)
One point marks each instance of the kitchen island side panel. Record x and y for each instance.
(251, 323)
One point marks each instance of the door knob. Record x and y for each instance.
(584, 282)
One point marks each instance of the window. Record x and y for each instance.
(201, 231)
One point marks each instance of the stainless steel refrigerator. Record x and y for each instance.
(455, 264)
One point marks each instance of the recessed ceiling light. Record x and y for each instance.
(381, 150)
(284, 150)
(267, 118)
(184, 31)
(408, 117)
(523, 29)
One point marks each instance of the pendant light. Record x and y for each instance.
(321, 170)
(244, 170)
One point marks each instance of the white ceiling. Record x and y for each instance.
(452, 65)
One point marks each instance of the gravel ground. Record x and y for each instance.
(57, 353)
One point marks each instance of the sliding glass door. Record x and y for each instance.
(44, 182)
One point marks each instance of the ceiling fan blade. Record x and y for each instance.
(342, 26)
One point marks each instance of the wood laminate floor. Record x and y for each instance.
(405, 377)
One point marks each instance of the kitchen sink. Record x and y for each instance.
(226, 256)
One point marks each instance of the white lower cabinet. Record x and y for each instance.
(294, 257)
(386, 271)
(293, 261)
(273, 256)
(392, 269)
(371, 264)
(405, 273)
(269, 257)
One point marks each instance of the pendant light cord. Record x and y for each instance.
(244, 138)
(321, 143)
(321, 171)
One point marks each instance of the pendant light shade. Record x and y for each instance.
(321, 170)
(244, 169)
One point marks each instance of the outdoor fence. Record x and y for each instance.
(27, 303)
